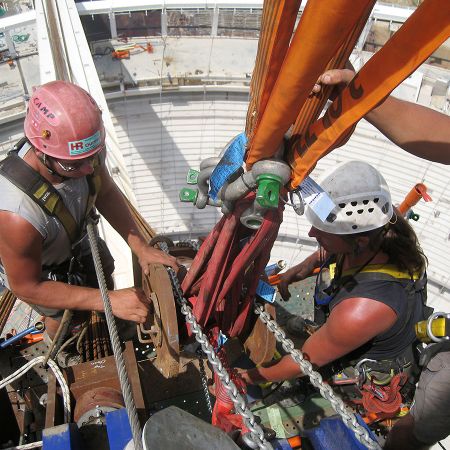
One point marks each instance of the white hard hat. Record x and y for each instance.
(362, 199)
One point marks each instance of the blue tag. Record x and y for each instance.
(265, 291)
(221, 339)
(231, 161)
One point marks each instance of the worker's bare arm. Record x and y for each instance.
(111, 204)
(420, 131)
(20, 253)
(351, 324)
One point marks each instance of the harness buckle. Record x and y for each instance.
(361, 371)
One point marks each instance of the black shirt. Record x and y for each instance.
(396, 293)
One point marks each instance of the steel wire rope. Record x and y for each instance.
(37, 444)
(115, 342)
(256, 438)
(164, 39)
(111, 157)
(348, 417)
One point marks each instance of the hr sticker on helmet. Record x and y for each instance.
(84, 145)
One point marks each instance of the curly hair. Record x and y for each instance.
(398, 240)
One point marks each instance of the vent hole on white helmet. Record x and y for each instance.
(353, 203)
(360, 211)
(370, 210)
(365, 202)
(342, 205)
(331, 217)
(354, 227)
(349, 213)
(385, 208)
(376, 199)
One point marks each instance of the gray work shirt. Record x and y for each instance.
(56, 247)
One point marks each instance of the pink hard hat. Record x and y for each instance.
(64, 121)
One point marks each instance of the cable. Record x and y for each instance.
(37, 444)
(76, 336)
(56, 371)
(442, 446)
(115, 342)
(61, 333)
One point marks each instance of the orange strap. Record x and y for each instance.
(426, 29)
(322, 30)
(413, 197)
(277, 25)
(314, 105)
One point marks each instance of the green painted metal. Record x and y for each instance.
(188, 195)
(192, 176)
(291, 418)
(268, 191)
(301, 302)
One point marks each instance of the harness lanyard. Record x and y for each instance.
(335, 286)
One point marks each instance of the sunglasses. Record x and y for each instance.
(72, 166)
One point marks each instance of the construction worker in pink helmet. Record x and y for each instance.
(60, 166)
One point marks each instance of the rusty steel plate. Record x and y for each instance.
(261, 343)
(164, 322)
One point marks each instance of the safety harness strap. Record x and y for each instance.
(45, 195)
(39, 190)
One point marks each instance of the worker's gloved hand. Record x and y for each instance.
(150, 255)
(130, 304)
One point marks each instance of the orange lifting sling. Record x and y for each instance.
(277, 25)
(311, 49)
(426, 29)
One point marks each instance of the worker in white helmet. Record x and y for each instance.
(378, 290)
(425, 133)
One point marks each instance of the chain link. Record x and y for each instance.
(189, 243)
(256, 434)
(204, 379)
(326, 391)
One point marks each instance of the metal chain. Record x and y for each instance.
(189, 243)
(115, 342)
(326, 391)
(204, 379)
(256, 434)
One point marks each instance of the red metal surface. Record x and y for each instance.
(100, 396)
